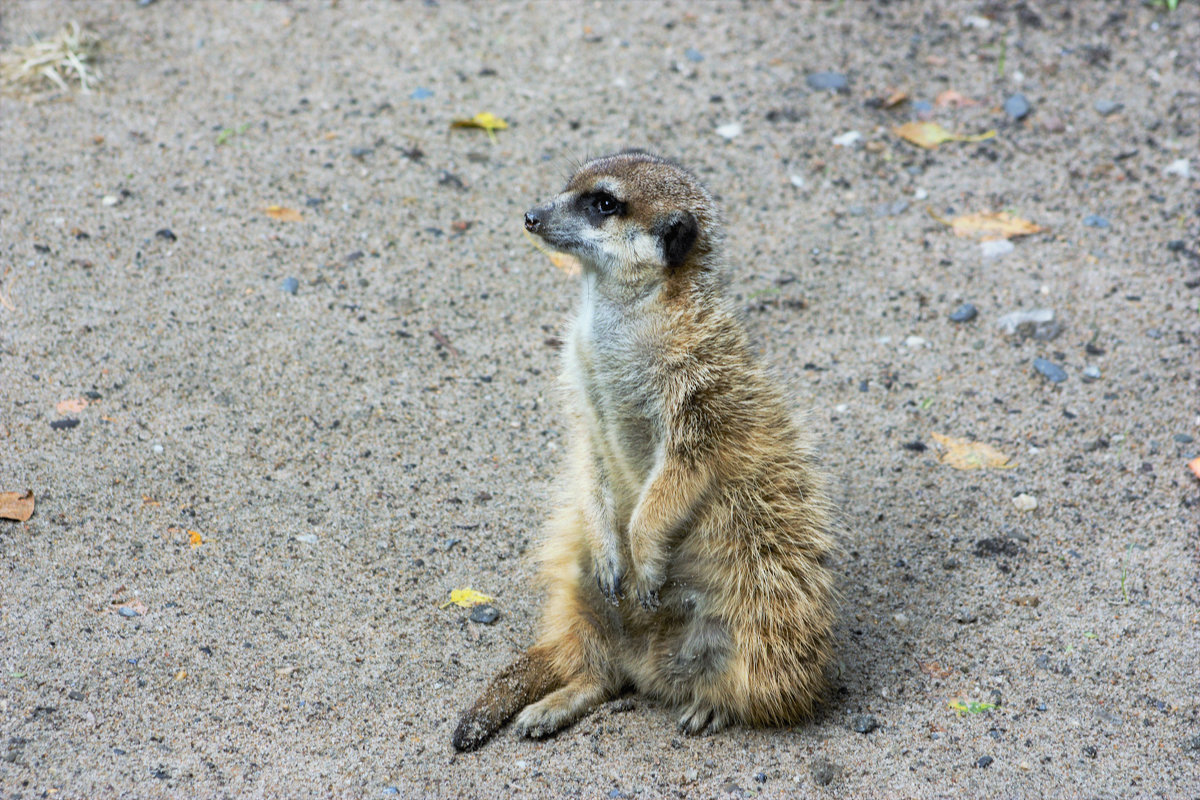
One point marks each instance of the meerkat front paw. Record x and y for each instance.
(702, 718)
(646, 583)
(609, 572)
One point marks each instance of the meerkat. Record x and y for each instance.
(687, 557)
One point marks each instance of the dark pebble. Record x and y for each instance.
(864, 723)
(916, 447)
(984, 762)
(827, 81)
(997, 546)
(1089, 751)
(1049, 370)
(1017, 106)
(996, 698)
(824, 772)
(1183, 438)
(165, 233)
(950, 563)
(964, 313)
(314, 202)
(1177, 245)
(64, 424)
(93, 395)
(1096, 221)
(75, 694)
(1107, 107)
(484, 615)
(290, 285)
(760, 777)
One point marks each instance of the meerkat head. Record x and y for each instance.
(631, 215)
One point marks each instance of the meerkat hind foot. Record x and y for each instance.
(559, 709)
(700, 717)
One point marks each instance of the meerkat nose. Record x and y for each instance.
(534, 218)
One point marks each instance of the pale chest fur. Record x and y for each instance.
(611, 371)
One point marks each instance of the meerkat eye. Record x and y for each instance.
(606, 204)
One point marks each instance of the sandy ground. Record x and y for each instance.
(350, 452)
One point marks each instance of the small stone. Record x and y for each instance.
(1025, 502)
(995, 248)
(1183, 438)
(1013, 320)
(730, 130)
(64, 424)
(997, 546)
(361, 152)
(922, 107)
(75, 694)
(965, 616)
(1107, 107)
(165, 233)
(484, 615)
(996, 698)
(1053, 125)
(984, 762)
(797, 181)
(110, 200)
(827, 81)
(1091, 373)
(1096, 221)
(864, 723)
(1193, 744)
(847, 139)
(391, 790)
(1049, 370)
(126, 611)
(290, 285)
(1180, 167)
(964, 313)
(693, 55)
(915, 342)
(1154, 333)
(1089, 751)
(760, 777)
(307, 538)
(157, 448)
(691, 775)
(421, 93)
(1017, 107)
(916, 446)
(824, 772)
(950, 563)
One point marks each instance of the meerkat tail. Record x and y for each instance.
(524, 681)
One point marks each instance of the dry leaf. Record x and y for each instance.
(16, 505)
(930, 134)
(953, 99)
(564, 261)
(72, 406)
(894, 98)
(1194, 466)
(284, 214)
(195, 538)
(987, 225)
(466, 598)
(965, 454)
(934, 670)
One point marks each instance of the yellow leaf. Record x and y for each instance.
(16, 505)
(284, 214)
(990, 225)
(466, 598)
(195, 538)
(564, 261)
(965, 454)
(1194, 466)
(181, 674)
(485, 120)
(930, 134)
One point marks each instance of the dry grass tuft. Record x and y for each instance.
(57, 61)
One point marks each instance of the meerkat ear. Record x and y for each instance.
(678, 233)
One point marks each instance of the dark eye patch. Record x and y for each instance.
(598, 205)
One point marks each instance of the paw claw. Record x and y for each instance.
(608, 581)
